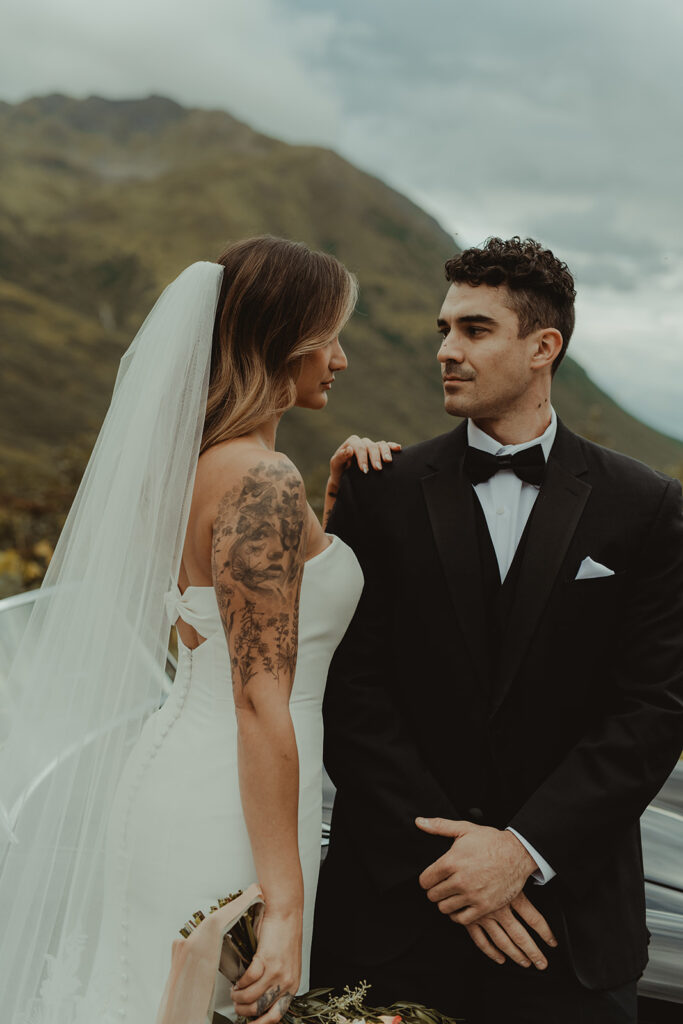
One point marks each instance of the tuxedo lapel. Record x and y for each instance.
(449, 498)
(555, 517)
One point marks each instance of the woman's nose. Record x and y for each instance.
(338, 360)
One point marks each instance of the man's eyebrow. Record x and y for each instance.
(470, 318)
(476, 318)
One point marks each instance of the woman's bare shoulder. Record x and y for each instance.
(230, 466)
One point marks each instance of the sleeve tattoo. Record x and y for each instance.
(257, 561)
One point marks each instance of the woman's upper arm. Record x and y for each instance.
(257, 559)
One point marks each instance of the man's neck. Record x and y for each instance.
(517, 428)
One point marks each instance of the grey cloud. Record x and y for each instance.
(560, 121)
(579, 99)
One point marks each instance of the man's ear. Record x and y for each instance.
(547, 349)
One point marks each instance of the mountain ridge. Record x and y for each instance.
(106, 201)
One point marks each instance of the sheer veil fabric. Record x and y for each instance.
(90, 668)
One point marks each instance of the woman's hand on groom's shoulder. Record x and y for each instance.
(366, 452)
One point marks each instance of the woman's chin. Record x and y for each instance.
(313, 402)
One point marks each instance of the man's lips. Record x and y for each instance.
(457, 380)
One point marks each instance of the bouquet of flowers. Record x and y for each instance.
(224, 940)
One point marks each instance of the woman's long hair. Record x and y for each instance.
(279, 300)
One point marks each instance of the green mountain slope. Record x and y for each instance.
(104, 202)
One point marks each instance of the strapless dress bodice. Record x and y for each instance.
(331, 585)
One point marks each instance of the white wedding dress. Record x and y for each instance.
(177, 821)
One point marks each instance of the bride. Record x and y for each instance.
(121, 820)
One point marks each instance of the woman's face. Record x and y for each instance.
(317, 374)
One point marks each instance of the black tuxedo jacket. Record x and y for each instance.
(565, 732)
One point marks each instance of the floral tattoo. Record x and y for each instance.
(257, 558)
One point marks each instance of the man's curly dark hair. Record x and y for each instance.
(540, 286)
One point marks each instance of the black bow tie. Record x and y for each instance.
(528, 465)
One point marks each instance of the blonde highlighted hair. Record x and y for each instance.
(279, 300)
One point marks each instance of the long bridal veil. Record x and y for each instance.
(90, 668)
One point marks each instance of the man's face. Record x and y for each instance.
(485, 365)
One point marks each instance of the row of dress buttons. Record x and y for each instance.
(179, 695)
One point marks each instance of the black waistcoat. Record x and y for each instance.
(499, 596)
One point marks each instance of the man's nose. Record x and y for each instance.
(450, 351)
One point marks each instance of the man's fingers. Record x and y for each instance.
(520, 936)
(534, 918)
(443, 826)
(481, 941)
(502, 941)
(432, 875)
(436, 873)
(445, 890)
(465, 913)
(452, 904)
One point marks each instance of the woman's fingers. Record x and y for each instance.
(366, 451)
(534, 918)
(481, 941)
(386, 448)
(276, 1011)
(245, 995)
(260, 1005)
(253, 974)
(374, 453)
(341, 459)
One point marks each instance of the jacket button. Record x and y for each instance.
(475, 814)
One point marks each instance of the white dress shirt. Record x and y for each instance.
(507, 502)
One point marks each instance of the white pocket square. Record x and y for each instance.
(590, 570)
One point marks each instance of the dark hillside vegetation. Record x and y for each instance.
(103, 202)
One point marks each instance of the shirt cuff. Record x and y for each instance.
(545, 872)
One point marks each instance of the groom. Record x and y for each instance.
(509, 695)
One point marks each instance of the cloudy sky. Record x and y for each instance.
(559, 121)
